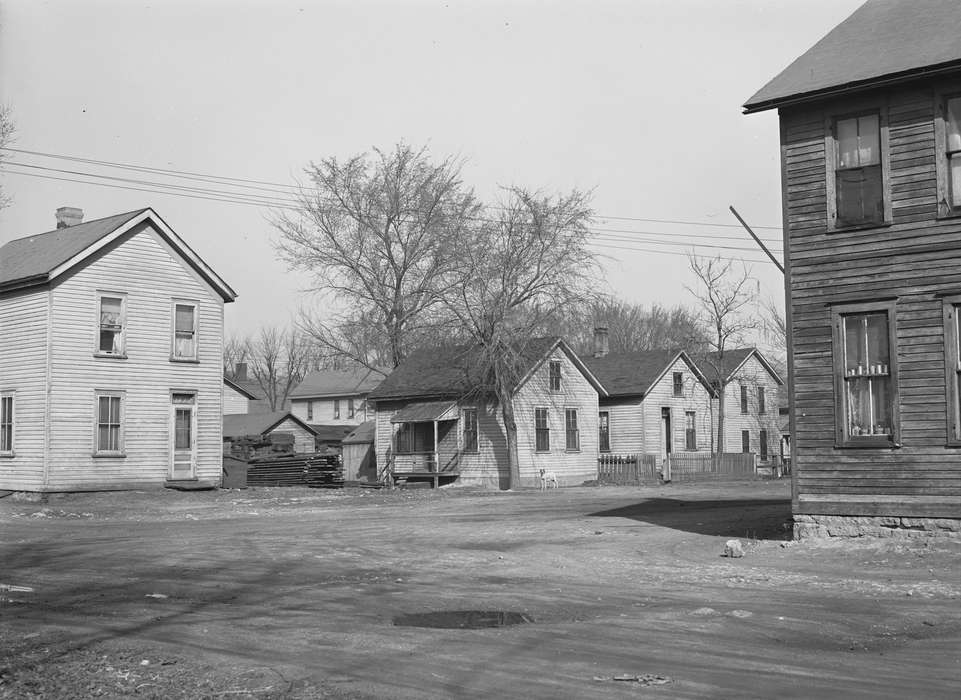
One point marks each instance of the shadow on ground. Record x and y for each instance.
(755, 518)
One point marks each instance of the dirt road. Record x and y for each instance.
(294, 593)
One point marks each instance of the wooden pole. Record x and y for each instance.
(758, 240)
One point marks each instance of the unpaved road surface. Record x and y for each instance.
(293, 593)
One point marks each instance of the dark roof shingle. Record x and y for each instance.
(630, 373)
(243, 424)
(327, 382)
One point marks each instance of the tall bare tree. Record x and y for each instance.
(236, 349)
(724, 295)
(7, 132)
(277, 360)
(380, 234)
(525, 264)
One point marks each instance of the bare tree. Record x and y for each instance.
(277, 361)
(7, 131)
(724, 296)
(525, 264)
(236, 349)
(381, 236)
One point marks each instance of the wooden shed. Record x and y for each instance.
(269, 426)
(358, 454)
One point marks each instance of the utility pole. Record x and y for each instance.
(754, 236)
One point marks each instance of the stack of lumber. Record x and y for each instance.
(315, 471)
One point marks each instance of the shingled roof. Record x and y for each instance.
(243, 424)
(328, 382)
(634, 373)
(733, 359)
(883, 41)
(36, 260)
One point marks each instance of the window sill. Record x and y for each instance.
(859, 227)
(7, 455)
(950, 215)
(868, 444)
(110, 356)
(185, 360)
(109, 455)
(542, 452)
(572, 451)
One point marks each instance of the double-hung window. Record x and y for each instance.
(745, 441)
(761, 400)
(185, 330)
(572, 435)
(470, 430)
(111, 324)
(762, 445)
(604, 431)
(858, 177)
(743, 398)
(337, 408)
(555, 375)
(310, 410)
(542, 431)
(690, 430)
(865, 365)
(108, 432)
(952, 366)
(678, 384)
(6, 423)
(948, 131)
(350, 408)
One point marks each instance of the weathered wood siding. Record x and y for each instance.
(303, 439)
(914, 259)
(142, 266)
(626, 424)
(695, 398)
(572, 467)
(323, 410)
(753, 375)
(235, 403)
(24, 324)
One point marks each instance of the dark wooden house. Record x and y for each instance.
(871, 184)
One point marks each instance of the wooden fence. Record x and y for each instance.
(627, 470)
(687, 466)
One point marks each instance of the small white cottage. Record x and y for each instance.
(111, 338)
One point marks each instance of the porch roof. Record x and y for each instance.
(425, 412)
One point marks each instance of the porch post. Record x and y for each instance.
(436, 450)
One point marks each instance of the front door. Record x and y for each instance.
(183, 460)
(666, 427)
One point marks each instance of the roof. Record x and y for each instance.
(39, 259)
(428, 411)
(328, 383)
(243, 424)
(455, 371)
(331, 433)
(239, 389)
(363, 433)
(635, 373)
(733, 359)
(883, 41)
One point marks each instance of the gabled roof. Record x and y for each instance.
(635, 373)
(330, 383)
(363, 433)
(734, 359)
(883, 41)
(331, 433)
(456, 371)
(239, 389)
(37, 260)
(243, 424)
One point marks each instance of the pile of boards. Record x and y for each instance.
(323, 471)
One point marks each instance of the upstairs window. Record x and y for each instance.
(185, 331)
(350, 408)
(310, 410)
(678, 384)
(948, 131)
(690, 431)
(761, 402)
(866, 369)
(555, 375)
(6, 423)
(336, 408)
(743, 398)
(470, 430)
(858, 179)
(542, 431)
(570, 429)
(112, 322)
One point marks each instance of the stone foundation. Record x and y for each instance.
(808, 526)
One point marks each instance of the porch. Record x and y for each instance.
(424, 444)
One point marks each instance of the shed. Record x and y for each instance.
(270, 426)
(358, 454)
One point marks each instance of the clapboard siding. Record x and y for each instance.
(754, 375)
(144, 267)
(695, 398)
(323, 410)
(626, 417)
(303, 439)
(912, 259)
(235, 403)
(23, 371)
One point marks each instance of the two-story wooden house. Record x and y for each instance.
(435, 413)
(334, 397)
(111, 337)
(870, 122)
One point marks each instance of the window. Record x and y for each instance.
(414, 438)
(310, 410)
(690, 430)
(111, 324)
(604, 431)
(745, 441)
(350, 408)
(336, 408)
(542, 431)
(948, 130)
(108, 439)
(762, 440)
(865, 370)
(6, 423)
(743, 399)
(470, 430)
(185, 331)
(952, 366)
(679, 384)
(573, 439)
(555, 375)
(761, 402)
(858, 178)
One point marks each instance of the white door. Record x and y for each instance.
(183, 419)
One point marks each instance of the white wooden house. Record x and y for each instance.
(334, 397)
(111, 337)
(236, 398)
(435, 413)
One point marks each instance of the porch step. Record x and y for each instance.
(189, 485)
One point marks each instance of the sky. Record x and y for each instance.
(638, 102)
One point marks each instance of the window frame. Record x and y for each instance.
(678, 381)
(98, 325)
(745, 442)
(351, 412)
(762, 446)
(10, 450)
(745, 404)
(336, 409)
(761, 401)
(310, 410)
(467, 430)
(540, 430)
(690, 431)
(945, 208)
(174, 303)
(554, 375)
(951, 313)
(831, 148)
(841, 439)
(121, 396)
(570, 432)
(600, 442)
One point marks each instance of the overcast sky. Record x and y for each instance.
(638, 101)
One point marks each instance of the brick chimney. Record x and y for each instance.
(69, 216)
(240, 372)
(602, 344)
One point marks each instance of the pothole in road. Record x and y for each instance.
(462, 619)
